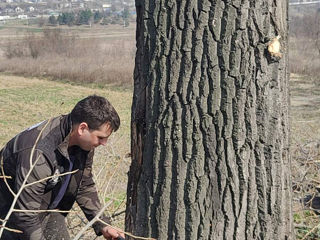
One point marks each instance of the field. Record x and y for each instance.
(102, 55)
(100, 60)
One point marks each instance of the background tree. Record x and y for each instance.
(84, 17)
(125, 16)
(66, 18)
(210, 145)
(105, 21)
(97, 16)
(41, 21)
(52, 20)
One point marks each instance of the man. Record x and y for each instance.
(61, 145)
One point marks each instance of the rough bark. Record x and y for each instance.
(210, 128)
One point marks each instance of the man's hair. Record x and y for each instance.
(95, 111)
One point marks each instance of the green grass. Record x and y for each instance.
(25, 101)
(119, 199)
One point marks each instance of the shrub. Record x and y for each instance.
(51, 41)
(52, 20)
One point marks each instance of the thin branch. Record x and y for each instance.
(55, 175)
(111, 177)
(118, 213)
(42, 211)
(8, 177)
(16, 196)
(311, 231)
(10, 229)
(89, 224)
(7, 184)
(126, 233)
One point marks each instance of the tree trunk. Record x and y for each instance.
(210, 128)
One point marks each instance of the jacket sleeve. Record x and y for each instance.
(87, 197)
(30, 198)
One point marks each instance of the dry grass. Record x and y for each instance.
(305, 151)
(305, 57)
(305, 114)
(81, 57)
(305, 42)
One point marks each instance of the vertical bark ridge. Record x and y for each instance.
(137, 123)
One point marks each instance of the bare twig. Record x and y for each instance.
(311, 231)
(16, 196)
(41, 211)
(126, 233)
(56, 175)
(8, 177)
(10, 229)
(111, 177)
(118, 213)
(6, 182)
(89, 224)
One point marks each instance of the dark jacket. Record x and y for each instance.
(51, 156)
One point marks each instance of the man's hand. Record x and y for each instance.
(111, 233)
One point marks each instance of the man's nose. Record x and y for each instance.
(103, 142)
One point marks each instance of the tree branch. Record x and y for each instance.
(16, 196)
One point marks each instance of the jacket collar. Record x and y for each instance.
(66, 129)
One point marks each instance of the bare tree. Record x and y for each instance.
(210, 129)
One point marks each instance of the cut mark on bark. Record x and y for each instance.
(274, 48)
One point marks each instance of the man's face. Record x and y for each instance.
(91, 139)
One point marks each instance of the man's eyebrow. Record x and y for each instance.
(103, 136)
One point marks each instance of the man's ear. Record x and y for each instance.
(82, 128)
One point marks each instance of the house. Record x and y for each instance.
(129, 4)
(3, 18)
(23, 16)
(18, 10)
(106, 6)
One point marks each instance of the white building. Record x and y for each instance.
(18, 10)
(2, 18)
(106, 6)
(23, 16)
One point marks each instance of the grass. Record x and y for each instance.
(26, 101)
(305, 111)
